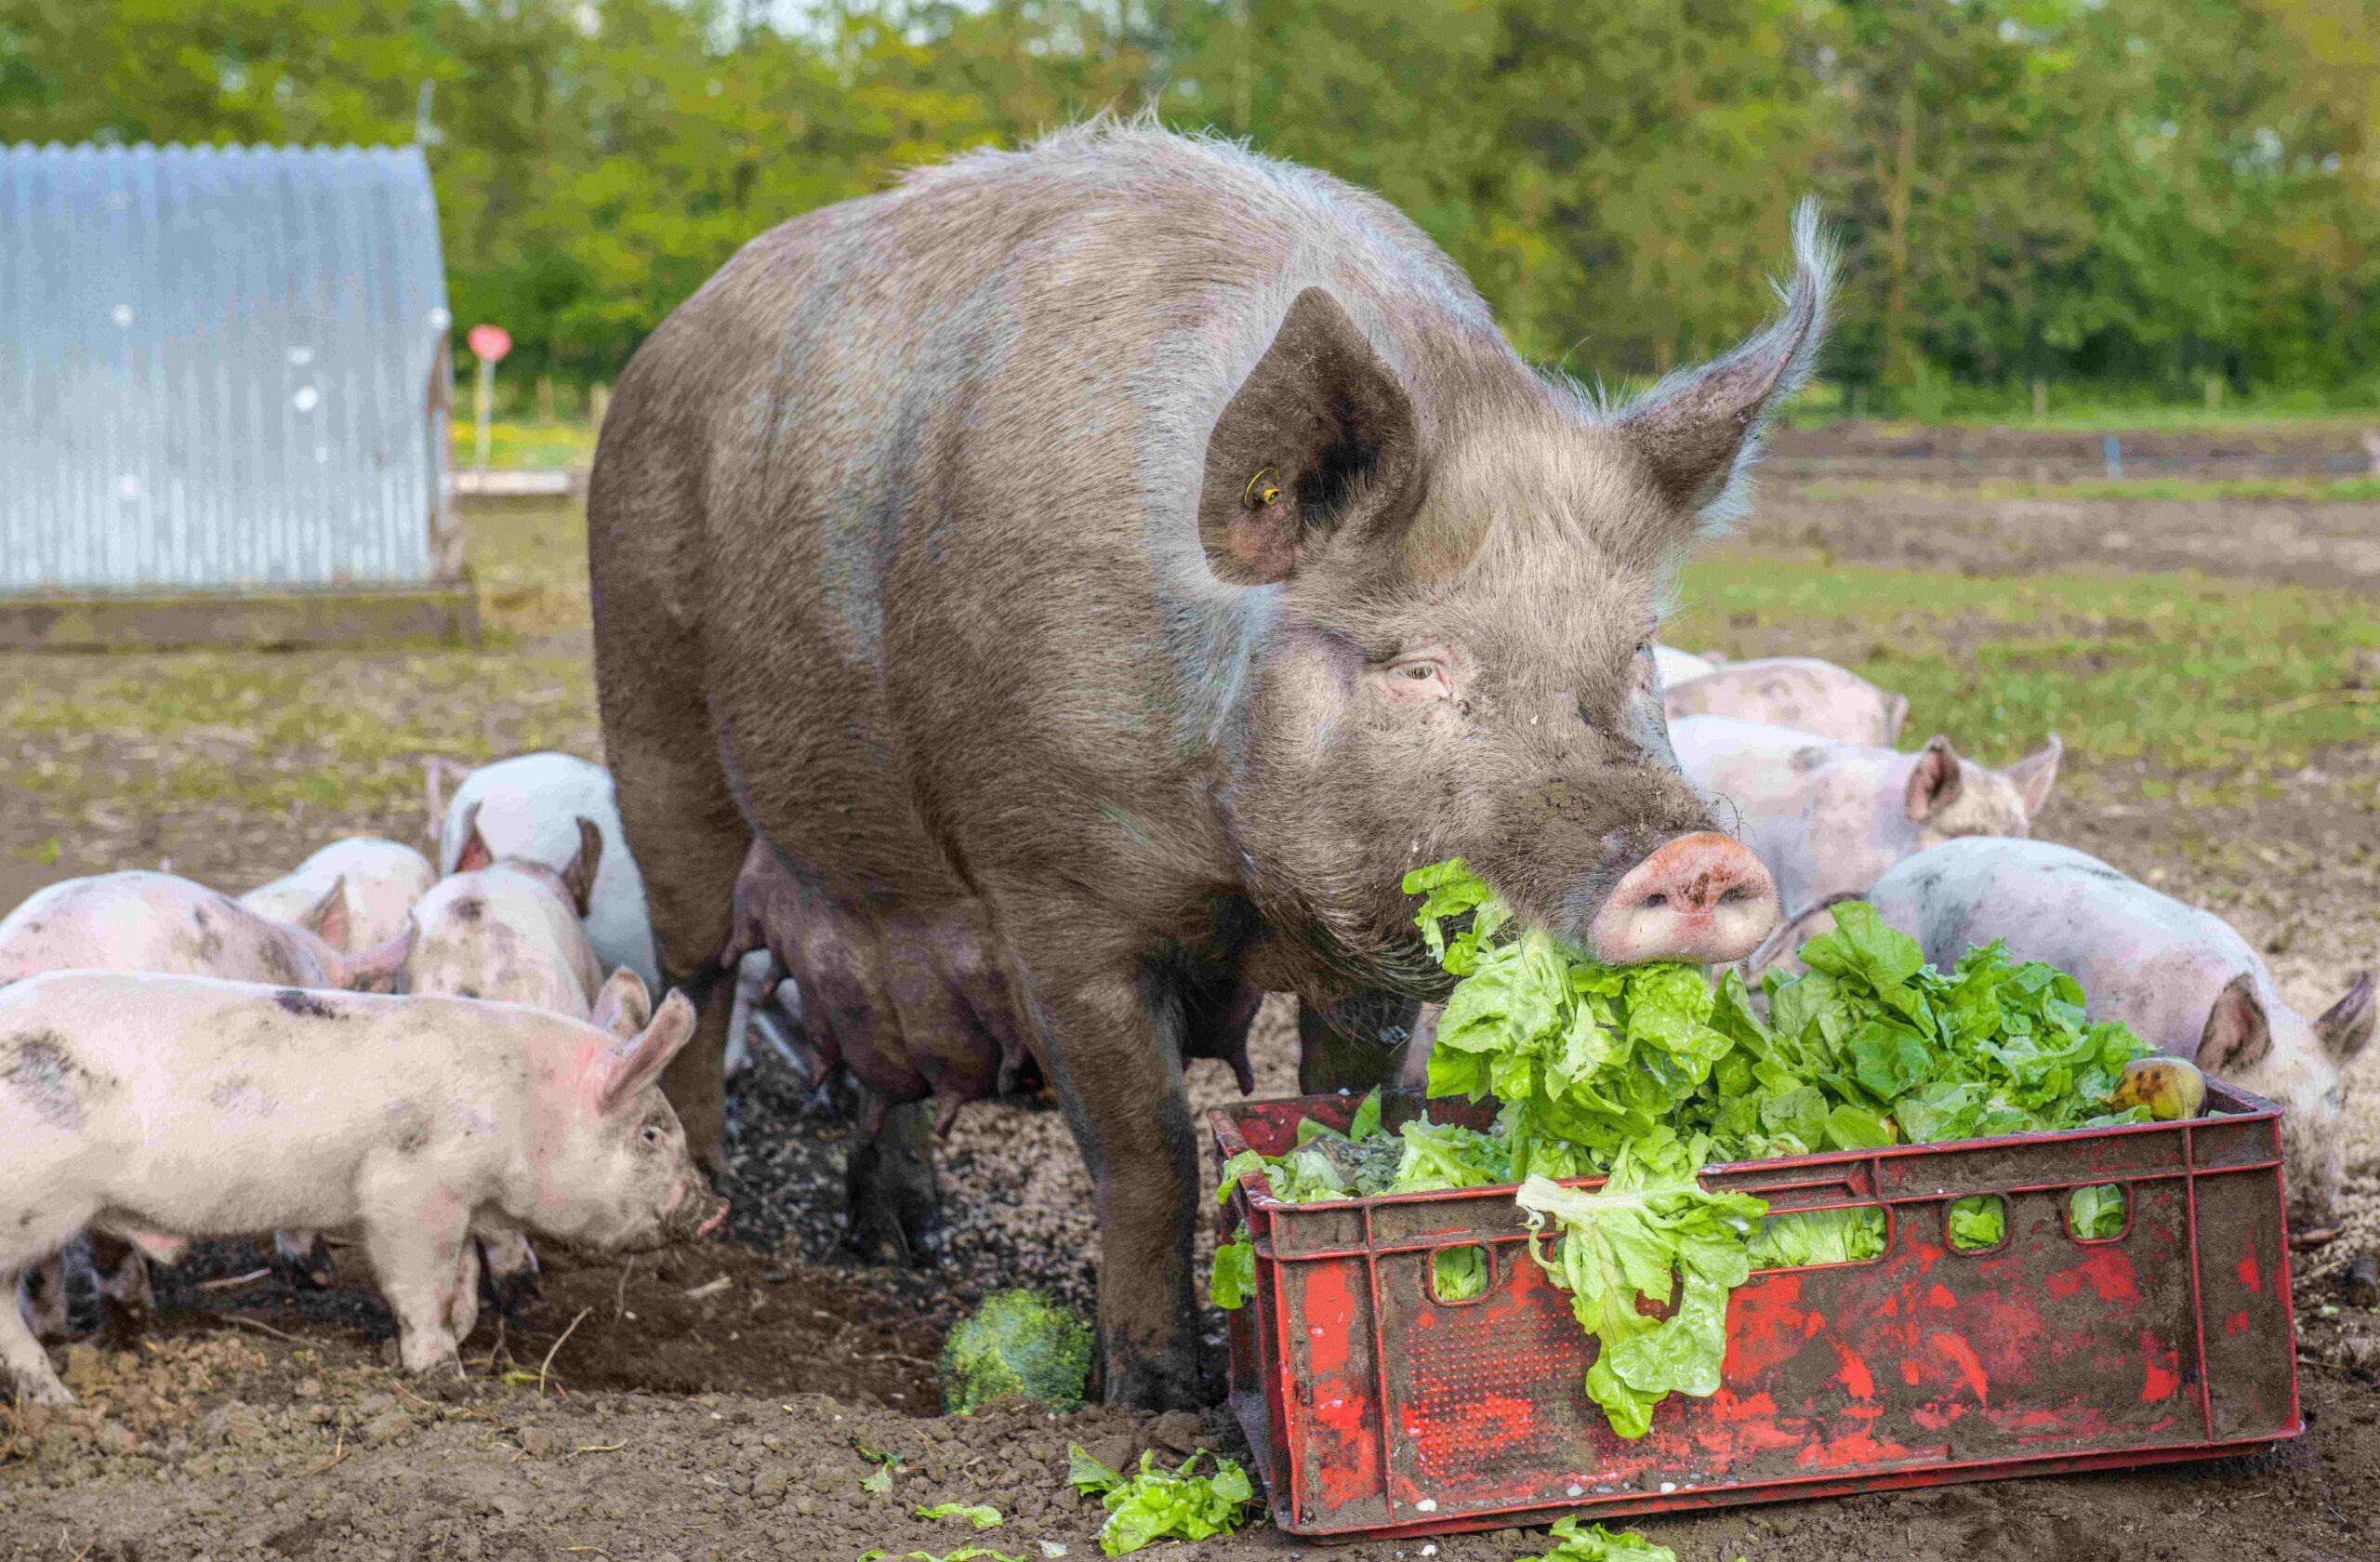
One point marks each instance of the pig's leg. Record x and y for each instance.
(895, 1200)
(304, 1260)
(122, 1274)
(509, 1263)
(22, 1353)
(463, 1310)
(41, 1299)
(756, 976)
(416, 1233)
(1353, 1041)
(1114, 1042)
(687, 838)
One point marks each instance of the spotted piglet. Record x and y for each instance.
(161, 1108)
(1829, 817)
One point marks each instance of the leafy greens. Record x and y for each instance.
(1643, 1074)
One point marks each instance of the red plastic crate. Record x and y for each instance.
(1376, 1410)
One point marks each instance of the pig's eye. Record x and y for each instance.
(1417, 679)
(650, 1135)
(1421, 672)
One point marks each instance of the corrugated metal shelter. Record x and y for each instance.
(221, 368)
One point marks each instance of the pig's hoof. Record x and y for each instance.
(512, 1295)
(1163, 1381)
(309, 1270)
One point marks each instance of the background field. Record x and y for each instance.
(2223, 733)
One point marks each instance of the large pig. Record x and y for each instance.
(1147, 551)
(161, 1108)
(2180, 977)
(1828, 817)
(1802, 693)
(382, 878)
(527, 807)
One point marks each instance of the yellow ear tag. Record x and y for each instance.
(1260, 492)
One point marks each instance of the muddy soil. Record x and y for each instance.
(716, 1403)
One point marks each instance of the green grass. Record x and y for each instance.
(2160, 684)
(2084, 409)
(523, 445)
(2342, 490)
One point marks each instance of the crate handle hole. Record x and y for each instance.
(2098, 1214)
(1977, 1223)
(1460, 1275)
(1821, 1238)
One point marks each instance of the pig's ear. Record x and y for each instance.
(1320, 441)
(475, 854)
(624, 1007)
(1934, 785)
(2238, 1035)
(327, 918)
(1697, 431)
(2345, 1029)
(2035, 774)
(578, 874)
(641, 1063)
(377, 969)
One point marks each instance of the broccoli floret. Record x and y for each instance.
(1017, 1346)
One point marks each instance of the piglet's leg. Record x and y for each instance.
(417, 1232)
(510, 1263)
(300, 1258)
(21, 1355)
(463, 1310)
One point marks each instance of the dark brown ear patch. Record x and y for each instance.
(1319, 441)
(578, 874)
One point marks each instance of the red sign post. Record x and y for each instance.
(488, 343)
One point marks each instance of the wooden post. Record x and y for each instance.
(598, 402)
(2041, 400)
(485, 396)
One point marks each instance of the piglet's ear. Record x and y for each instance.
(327, 918)
(641, 1063)
(1319, 448)
(1934, 785)
(1696, 431)
(2345, 1029)
(578, 874)
(624, 1007)
(474, 854)
(378, 968)
(2238, 1035)
(2035, 774)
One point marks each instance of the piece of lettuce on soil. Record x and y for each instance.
(1155, 1505)
(1017, 1345)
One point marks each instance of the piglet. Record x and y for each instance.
(509, 928)
(1802, 693)
(528, 808)
(1828, 817)
(161, 1108)
(2180, 977)
(383, 880)
(157, 922)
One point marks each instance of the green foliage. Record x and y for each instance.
(1645, 1074)
(2157, 192)
(2098, 1212)
(1015, 1345)
(1154, 1505)
(1595, 1543)
(981, 1516)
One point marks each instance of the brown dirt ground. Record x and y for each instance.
(681, 1419)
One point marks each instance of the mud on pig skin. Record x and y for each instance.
(1831, 817)
(161, 1108)
(1802, 693)
(1160, 548)
(383, 878)
(2180, 977)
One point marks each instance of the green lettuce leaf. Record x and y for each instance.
(1233, 1278)
(1156, 1504)
(2098, 1212)
(1595, 1543)
(1978, 1222)
(981, 1516)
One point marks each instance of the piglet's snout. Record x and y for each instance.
(1701, 898)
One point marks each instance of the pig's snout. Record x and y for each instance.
(1701, 898)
